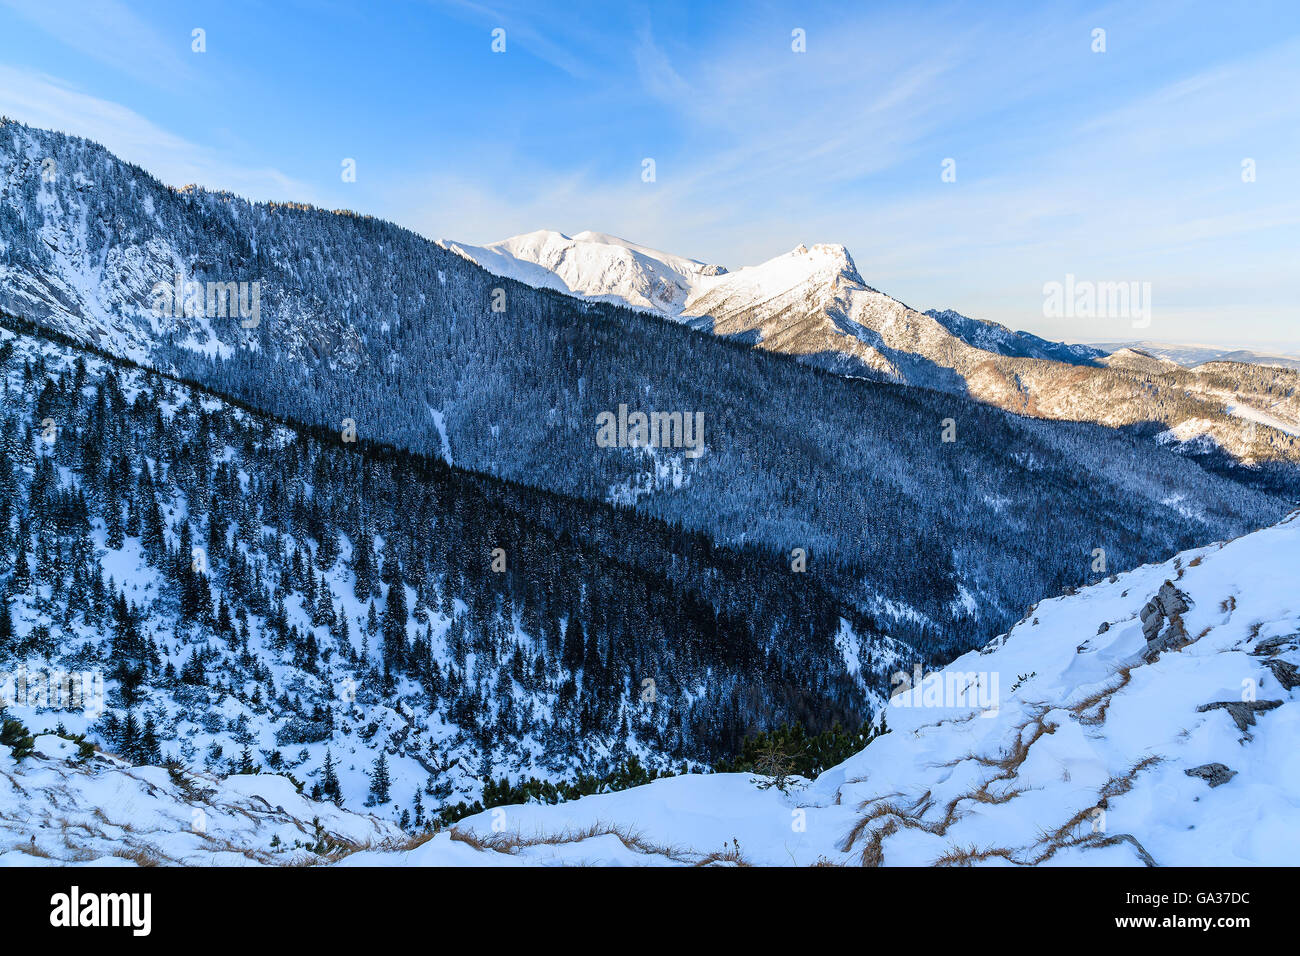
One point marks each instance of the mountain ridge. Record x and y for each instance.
(363, 322)
(815, 306)
(1128, 744)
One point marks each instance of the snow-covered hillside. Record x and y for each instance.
(1150, 719)
(595, 266)
(59, 807)
(812, 303)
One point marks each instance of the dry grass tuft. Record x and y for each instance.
(972, 855)
(885, 817)
(511, 843)
(1099, 702)
(139, 856)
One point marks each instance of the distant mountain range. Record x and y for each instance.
(1190, 356)
(317, 495)
(360, 324)
(605, 268)
(1231, 409)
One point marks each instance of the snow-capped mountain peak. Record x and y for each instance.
(813, 304)
(593, 265)
(803, 266)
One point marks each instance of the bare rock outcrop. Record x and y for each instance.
(1215, 774)
(1242, 712)
(1162, 620)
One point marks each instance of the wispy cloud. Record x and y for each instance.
(110, 32)
(523, 34)
(1122, 165)
(1065, 162)
(658, 76)
(44, 101)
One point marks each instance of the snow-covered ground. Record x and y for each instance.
(1263, 418)
(58, 809)
(1149, 719)
(1082, 746)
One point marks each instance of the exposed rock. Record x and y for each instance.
(1168, 605)
(1105, 626)
(1274, 645)
(1242, 711)
(1284, 671)
(1215, 774)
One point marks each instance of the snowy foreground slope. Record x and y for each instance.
(56, 809)
(1098, 749)
(1148, 720)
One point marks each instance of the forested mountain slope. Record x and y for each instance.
(260, 596)
(360, 325)
(1149, 720)
(1145, 721)
(994, 337)
(813, 304)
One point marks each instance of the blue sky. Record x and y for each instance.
(1117, 166)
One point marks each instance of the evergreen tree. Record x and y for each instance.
(150, 750)
(394, 627)
(128, 741)
(8, 636)
(21, 577)
(379, 781)
(16, 737)
(330, 780)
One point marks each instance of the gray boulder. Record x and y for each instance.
(1162, 621)
(1215, 774)
(1242, 711)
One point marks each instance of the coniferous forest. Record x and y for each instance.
(370, 327)
(367, 537)
(305, 597)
